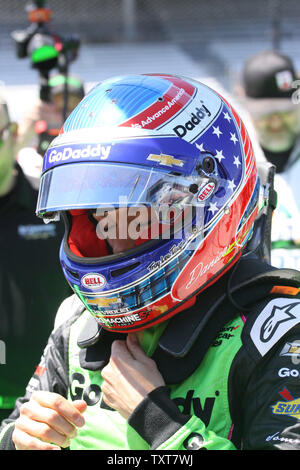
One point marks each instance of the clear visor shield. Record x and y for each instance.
(94, 185)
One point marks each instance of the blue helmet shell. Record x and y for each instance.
(141, 136)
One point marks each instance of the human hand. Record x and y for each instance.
(129, 376)
(47, 422)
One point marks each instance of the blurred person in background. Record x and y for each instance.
(269, 79)
(30, 287)
(43, 122)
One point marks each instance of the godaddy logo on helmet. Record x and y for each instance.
(88, 151)
(196, 117)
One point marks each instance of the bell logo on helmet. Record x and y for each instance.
(206, 191)
(93, 281)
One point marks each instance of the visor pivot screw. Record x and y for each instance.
(208, 165)
(193, 188)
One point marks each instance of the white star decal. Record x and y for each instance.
(231, 185)
(213, 207)
(219, 155)
(227, 117)
(200, 147)
(236, 162)
(233, 138)
(217, 131)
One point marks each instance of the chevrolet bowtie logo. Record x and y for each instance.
(103, 302)
(166, 160)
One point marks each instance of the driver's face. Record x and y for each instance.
(123, 226)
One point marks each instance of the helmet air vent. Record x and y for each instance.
(126, 269)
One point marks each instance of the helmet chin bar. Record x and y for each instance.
(122, 322)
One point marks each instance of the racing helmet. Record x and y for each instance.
(160, 143)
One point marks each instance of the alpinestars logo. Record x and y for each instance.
(278, 315)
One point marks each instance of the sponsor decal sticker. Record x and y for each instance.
(202, 407)
(286, 372)
(291, 349)
(206, 191)
(276, 319)
(226, 333)
(176, 250)
(165, 111)
(196, 118)
(278, 316)
(167, 160)
(289, 407)
(104, 302)
(127, 320)
(279, 438)
(65, 154)
(93, 281)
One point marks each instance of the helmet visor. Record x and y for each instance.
(93, 185)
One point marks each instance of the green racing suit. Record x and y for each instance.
(231, 373)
